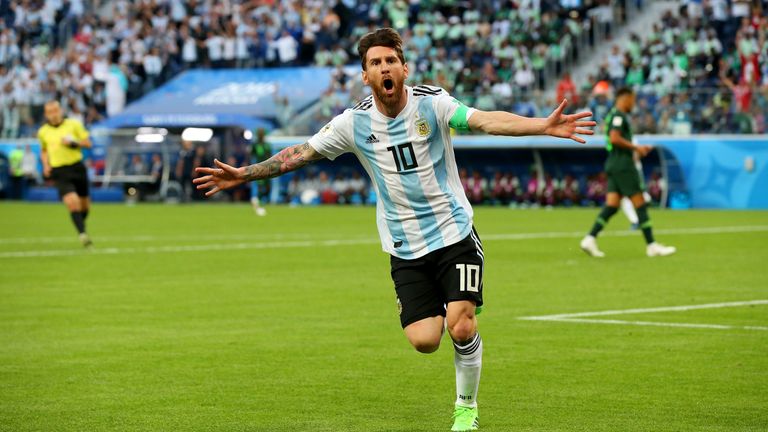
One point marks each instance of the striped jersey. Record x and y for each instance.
(421, 204)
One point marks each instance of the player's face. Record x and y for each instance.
(53, 113)
(386, 74)
(627, 103)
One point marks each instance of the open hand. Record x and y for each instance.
(218, 179)
(569, 125)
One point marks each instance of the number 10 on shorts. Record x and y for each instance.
(469, 277)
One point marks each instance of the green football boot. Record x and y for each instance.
(465, 419)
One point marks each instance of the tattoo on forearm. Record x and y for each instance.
(288, 159)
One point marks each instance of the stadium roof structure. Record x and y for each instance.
(222, 98)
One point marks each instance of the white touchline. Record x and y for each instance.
(313, 242)
(580, 317)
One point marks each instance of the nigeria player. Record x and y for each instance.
(401, 135)
(61, 141)
(623, 178)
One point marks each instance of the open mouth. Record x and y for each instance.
(388, 84)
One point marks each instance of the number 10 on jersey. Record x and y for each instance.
(469, 277)
(402, 161)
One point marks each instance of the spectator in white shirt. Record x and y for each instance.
(287, 49)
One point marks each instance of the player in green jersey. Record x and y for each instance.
(623, 177)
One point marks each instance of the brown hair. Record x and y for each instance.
(386, 37)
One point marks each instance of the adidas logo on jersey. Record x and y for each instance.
(371, 139)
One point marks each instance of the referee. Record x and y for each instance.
(61, 140)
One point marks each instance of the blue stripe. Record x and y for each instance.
(362, 129)
(430, 230)
(437, 154)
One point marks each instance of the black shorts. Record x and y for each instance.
(626, 183)
(71, 178)
(425, 285)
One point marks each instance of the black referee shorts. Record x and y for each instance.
(424, 286)
(71, 178)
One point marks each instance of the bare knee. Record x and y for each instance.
(425, 334)
(463, 328)
(426, 345)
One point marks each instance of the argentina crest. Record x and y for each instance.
(422, 127)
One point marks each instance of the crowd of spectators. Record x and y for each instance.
(507, 188)
(97, 58)
(492, 54)
(501, 188)
(701, 69)
(322, 188)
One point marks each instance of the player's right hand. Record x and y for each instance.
(46, 171)
(643, 150)
(218, 179)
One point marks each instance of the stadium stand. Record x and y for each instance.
(494, 54)
(702, 69)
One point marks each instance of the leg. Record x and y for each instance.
(589, 242)
(468, 346)
(85, 206)
(628, 207)
(72, 202)
(461, 277)
(638, 200)
(425, 334)
(420, 303)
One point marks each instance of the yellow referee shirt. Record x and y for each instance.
(60, 154)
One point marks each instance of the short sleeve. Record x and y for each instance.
(334, 138)
(617, 122)
(452, 112)
(79, 131)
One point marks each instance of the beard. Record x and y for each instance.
(389, 92)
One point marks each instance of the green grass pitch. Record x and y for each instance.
(207, 318)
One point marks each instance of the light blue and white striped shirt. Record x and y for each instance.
(421, 203)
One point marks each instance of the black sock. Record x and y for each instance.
(605, 215)
(77, 219)
(645, 223)
(85, 214)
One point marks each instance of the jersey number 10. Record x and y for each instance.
(401, 161)
(469, 277)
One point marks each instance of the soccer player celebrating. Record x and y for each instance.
(61, 140)
(401, 136)
(623, 178)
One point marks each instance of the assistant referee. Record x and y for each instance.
(62, 140)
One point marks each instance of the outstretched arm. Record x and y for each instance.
(557, 124)
(226, 176)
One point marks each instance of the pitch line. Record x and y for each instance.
(581, 317)
(648, 310)
(255, 245)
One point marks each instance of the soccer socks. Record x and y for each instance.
(468, 359)
(78, 220)
(605, 215)
(629, 209)
(85, 215)
(645, 223)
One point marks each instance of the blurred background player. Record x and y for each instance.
(261, 150)
(61, 141)
(623, 178)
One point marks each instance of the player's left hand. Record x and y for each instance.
(569, 125)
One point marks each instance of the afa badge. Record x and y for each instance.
(422, 128)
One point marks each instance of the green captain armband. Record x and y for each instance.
(459, 120)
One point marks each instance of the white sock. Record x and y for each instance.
(629, 210)
(468, 359)
(255, 202)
